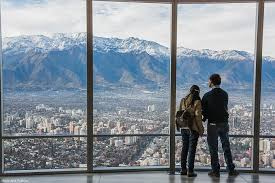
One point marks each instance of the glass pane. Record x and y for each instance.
(130, 151)
(241, 149)
(267, 155)
(268, 73)
(44, 67)
(131, 68)
(221, 41)
(39, 154)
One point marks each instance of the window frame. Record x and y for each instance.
(173, 43)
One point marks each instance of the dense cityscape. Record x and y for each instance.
(137, 113)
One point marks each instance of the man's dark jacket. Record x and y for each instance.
(215, 106)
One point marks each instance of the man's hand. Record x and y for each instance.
(204, 119)
(178, 129)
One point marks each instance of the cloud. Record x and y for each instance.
(217, 26)
(19, 3)
(31, 17)
(212, 26)
(143, 20)
(269, 30)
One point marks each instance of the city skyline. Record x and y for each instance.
(58, 118)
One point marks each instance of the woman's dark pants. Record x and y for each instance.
(189, 146)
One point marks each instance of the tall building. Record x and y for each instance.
(71, 127)
(29, 121)
(236, 122)
(77, 130)
(151, 108)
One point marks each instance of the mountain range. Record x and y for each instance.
(58, 61)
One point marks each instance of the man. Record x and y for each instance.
(215, 109)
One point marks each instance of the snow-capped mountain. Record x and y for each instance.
(59, 61)
(62, 41)
(44, 43)
(233, 55)
(130, 45)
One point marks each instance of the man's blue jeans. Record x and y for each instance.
(213, 132)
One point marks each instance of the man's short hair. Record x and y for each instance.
(215, 79)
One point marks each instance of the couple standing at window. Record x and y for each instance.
(192, 111)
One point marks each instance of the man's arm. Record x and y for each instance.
(204, 108)
(226, 101)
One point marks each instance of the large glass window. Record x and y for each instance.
(44, 66)
(219, 38)
(45, 74)
(268, 73)
(267, 159)
(44, 81)
(131, 82)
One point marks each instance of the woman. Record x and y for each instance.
(191, 135)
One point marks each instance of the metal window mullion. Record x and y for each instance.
(214, 1)
(173, 67)
(6, 137)
(89, 25)
(42, 137)
(257, 83)
(132, 135)
(186, 1)
(137, 1)
(230, 135)
(1, 99)
(267, 136)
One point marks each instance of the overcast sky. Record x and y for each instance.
(219, 27)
